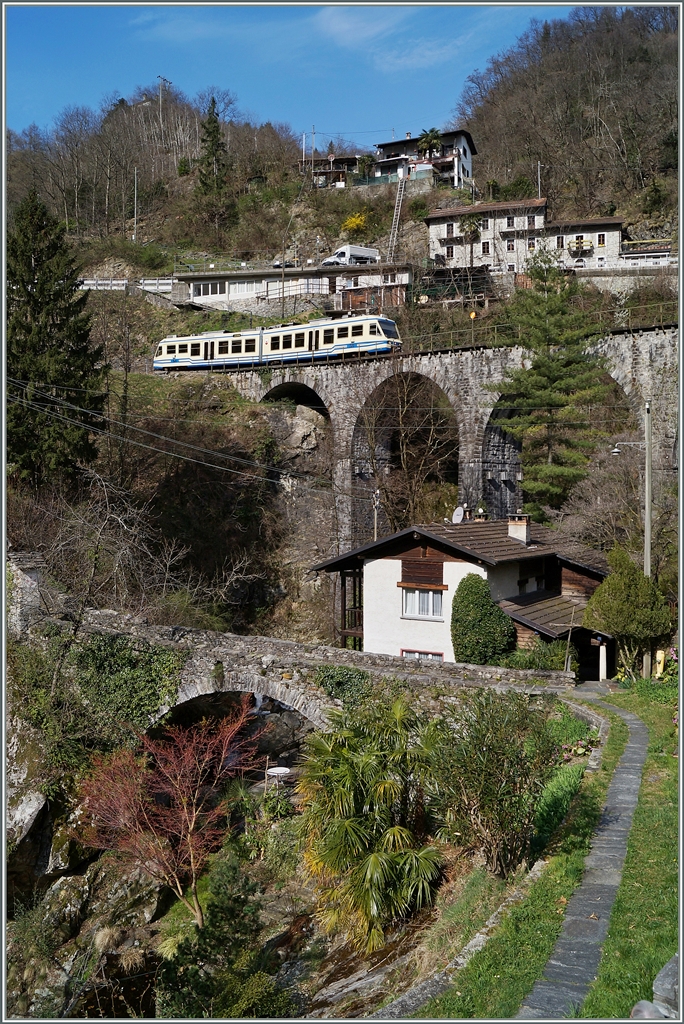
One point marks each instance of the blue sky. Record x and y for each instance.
(357, 70)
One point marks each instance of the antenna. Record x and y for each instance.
(457, 517)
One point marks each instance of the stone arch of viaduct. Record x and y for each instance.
(643, 363)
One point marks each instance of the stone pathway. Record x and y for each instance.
(573, 965)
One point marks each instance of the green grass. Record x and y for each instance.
(497, 979)
(643, 923)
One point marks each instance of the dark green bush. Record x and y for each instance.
(491, 775)
(350, 685)
(480, 631)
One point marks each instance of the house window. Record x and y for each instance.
(222, 287)
(250, 345)
(357, 330)
(195, 348)
(422, 604)
(578, 240)
(423, 655)
(530, 221)
(560, 241)
(450, 252)
(530, 243)
(389, 278)
(355, 282)
(484, 223)
(510, 222)
(511, 268)
(450, 230)
(510, 245)
(485, 248)
(214, 287)
(205, 289)
(601, 239)
(198, 289)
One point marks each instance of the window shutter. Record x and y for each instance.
(423, 572)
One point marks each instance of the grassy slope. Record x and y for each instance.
(643, 926)
(498, 978)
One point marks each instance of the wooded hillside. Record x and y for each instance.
(594, 99)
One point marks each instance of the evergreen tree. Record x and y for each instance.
(481, 632)
(547, 406)
(213, 161)
(629, 607)
(50, 359)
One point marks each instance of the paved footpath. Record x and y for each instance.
(573, 965)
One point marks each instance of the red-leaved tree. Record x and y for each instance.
(159, 808)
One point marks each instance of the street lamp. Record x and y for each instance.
(646, 444)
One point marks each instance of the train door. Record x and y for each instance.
(208, 351)
(313, 341)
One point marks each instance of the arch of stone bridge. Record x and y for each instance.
(204, 676)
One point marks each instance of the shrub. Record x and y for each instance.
(355, 225)
(480, 631)
(350, 685)
(554, 803)
(491, 777)
(183, 167)
(544, 656)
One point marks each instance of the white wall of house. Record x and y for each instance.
(387, 631)
(503, 580)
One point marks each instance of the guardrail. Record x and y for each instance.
(114, 284)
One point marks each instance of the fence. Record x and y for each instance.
(152, 284)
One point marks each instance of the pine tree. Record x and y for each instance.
(50, 359)
(213, 161)
(547, 406)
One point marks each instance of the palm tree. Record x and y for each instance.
(365, 165)
(429, 139)
(469, 224)
(367, 791)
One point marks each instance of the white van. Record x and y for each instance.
(351, 255)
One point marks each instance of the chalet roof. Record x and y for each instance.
(484, 543)
(549, 613)
(498, 207)
(443, 135)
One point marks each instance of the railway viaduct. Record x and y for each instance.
(643, 362)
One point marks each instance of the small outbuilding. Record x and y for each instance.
(397, 592)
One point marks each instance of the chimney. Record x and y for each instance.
(519, 527)
(408, 135)
(467, 514)
(481, 516)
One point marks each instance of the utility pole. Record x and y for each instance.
(376, 506)
(304, 152)
(648, 487)
(313, 146)
(135, 204)
(538, 179)
(162, 82)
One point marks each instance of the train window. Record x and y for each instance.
(287, 341)
(236, 345)
(160, 350)
(182, 348)
(170, 350)
(390, 329)
(357, 330)
(250, 344)
(342, 332)
(373, 329)
(299, 340)
(214, 287)
(328, 336)
(275, 343)
(195, 348)
(223, 346)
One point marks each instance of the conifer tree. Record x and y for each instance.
(213, 161)
(50, 359)
(547, 406)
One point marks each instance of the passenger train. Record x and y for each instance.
(318, 340)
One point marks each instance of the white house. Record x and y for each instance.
(451, 161)
(397, 592)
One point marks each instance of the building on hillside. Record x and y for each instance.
(397, 592)
(331, 171)
(451, 162)
(213, 285)
(502, 236)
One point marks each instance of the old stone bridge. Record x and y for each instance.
(642, 362)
